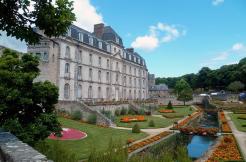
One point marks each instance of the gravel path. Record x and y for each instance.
(240, 136)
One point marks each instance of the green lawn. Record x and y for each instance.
(181, 110)
(159, 121)
(97, 138)
(238, 122)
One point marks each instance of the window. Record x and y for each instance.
(99, 76)
(81, 37)
(67, 68)
(108, 48)
(108, 63)
(99, 93)
(45, 56)
(107, 77)
(139, 73)
(53, 58)
(100, 45)
(90, 59)
(99, 61)
(130, 81)
(135, 72)
(143, 82)
(91, 41)
(117, 78)
(124, 83)
(108, 92)
(90, 74)
(114, 49)
(130, 70)
(124, 69)
(79, 95)
(66, 91)
(79, 72)
(79, 56)
(90, 92)
(117, 66)
(130, 94)
(67, 54)
(135, 82)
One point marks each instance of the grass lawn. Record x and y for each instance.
(98, 138)
(181, 110)
(159, 121)
(238, 122)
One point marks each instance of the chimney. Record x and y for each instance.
(131, 50)
(98, 29)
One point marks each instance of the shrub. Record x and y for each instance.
(141, 112)
(136, 129)
(243, 117)
(123, 111)
(151, 123)
(191, 109)
(117, 112)
(92, 119)
(76, 115)
(131, 112)
(169, 105)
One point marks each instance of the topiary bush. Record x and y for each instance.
(136, 129)
(169, 105)
(76, 115)
(151, 123)
(131, 112)
(92, 119)
(117, 112)
(123, 111)
(141, 112)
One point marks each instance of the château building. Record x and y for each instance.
(92, 66)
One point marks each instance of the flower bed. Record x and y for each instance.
(69, 134)
(147, 141)
(166, 111)
(224, 124)
(187, 120)
(227, 150)
(128, 119)
(200, 131)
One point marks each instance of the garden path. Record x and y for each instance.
(240, 136)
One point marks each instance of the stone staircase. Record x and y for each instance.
(134, 106)
(101, 119)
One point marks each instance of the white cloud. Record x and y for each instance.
(221, 56)
(86, 14)
(159, 33)
(146, 42)
(238, 47)
(217, 2)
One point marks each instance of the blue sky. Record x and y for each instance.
(175, 37)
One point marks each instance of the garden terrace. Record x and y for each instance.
(239, 120)
(225, 128)
(227, 150)
(98, 138)
(139, 146)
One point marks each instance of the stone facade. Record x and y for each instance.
(92, 66)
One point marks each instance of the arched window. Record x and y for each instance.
(66, 91)
(99, 75)
(67, 68)
(108, 93)
(67, 54)
(90, 92)
(90, 73)
(107, 77)
(79, 72)
(108, 63)
(79, 95)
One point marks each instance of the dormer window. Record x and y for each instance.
(130, 57)
(81, 37)
(108, 48)
(117, 40)
(91, 41)
(69, 32)
(100, 45)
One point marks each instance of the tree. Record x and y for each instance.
(26, 107)
(183, 91)
(18, 20)
(235, 86)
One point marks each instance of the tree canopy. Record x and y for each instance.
(218, 79)
(26, 107)
(183, 91)
(235, 86)
(18, 20)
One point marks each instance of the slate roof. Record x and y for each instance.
(160, 87)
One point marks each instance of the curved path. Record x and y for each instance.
(240, 136)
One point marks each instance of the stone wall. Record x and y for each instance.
(71, 106)
(111, 108)
(13, 150)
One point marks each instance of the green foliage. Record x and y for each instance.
(56, 152)
(151, 123)
(108, 114)
(92, 119)
(26, 107)
(123, 111)
(117, 112)
(52, 19)
(183, 91)
(182, 155)
(141, 112)
(235, 86)
(76, 115)
(136, 129)
(243, 117)
(169, 105)
(131, 112)
(206, 78)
